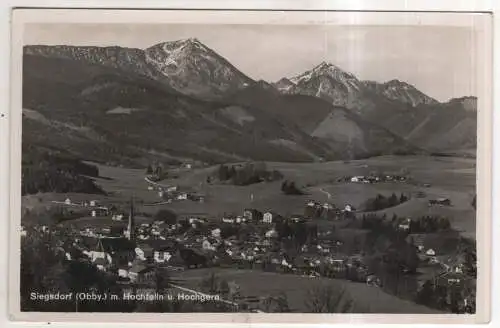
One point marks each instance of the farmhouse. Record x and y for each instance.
(140, 273)
(440, 202)
(271, 217)
(228, 219)
(108, 251)
(348, 208)
(405, 225)
(99, 212)
(252, 214)
(182, 196)
(358, 178)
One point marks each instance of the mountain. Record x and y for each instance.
(442, 127)
(193, 68)
(468, 103)
(97, 112)
(328, 82)
(187, 66)
(400, 91)
(136, 103)
(395, 106)
(345, 132)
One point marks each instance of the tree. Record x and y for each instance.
(328, 299)
(166, 216)
(393, 200)
(223, 173)
(284, 185)
(426, 295)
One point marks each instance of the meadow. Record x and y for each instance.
(432, 177)
(367, 299)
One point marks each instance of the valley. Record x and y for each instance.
(165, 166)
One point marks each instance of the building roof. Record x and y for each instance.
(100, 261)
(161, 245)
(139, 268)
(111, 245)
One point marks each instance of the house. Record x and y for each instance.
(172, 189)
(100, 211)
(252, 214)
(312, 204)
(297, 218)
(443, 201)
(405, 224)
(207, 245)
(93, 203)
(150, 188)
(270, 217)
(117, 217)
(182, 196)
(358, 178)
(271, 234)
(451, 279)
(440, 202)
(227, 219)
(144, 252)
(67, 201)
(123, 272)
(430, 252)
(163, 250)
(417, 240)
(140, 273)
(216, 233)
(101, 263)
(348, 208)
(113, 250)
(327, 207)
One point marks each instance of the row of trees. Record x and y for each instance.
(447, 298)
(429, 224)
(53, 173)
(423, 224)
(299, 233)
(289, 188)
(46, 271)
(381, 202)
(156, 172)
(247, 174)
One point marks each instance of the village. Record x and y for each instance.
(325, 240)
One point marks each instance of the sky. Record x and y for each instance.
(438, 60)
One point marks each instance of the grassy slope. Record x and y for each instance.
(255, 283)
(449, 177)
(71, 102)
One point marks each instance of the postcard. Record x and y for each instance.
(243, 166)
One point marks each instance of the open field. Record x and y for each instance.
(449, 177)
(256, 283)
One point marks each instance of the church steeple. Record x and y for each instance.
(131, 221)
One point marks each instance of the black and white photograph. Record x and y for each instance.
(237, 167)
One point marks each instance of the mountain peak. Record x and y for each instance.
(326, 66)
(194, 69)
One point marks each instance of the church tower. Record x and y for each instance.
(131, 221)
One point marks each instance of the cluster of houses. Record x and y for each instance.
(374, 178)
(133, 253)
(91, 208)
(172, 193)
